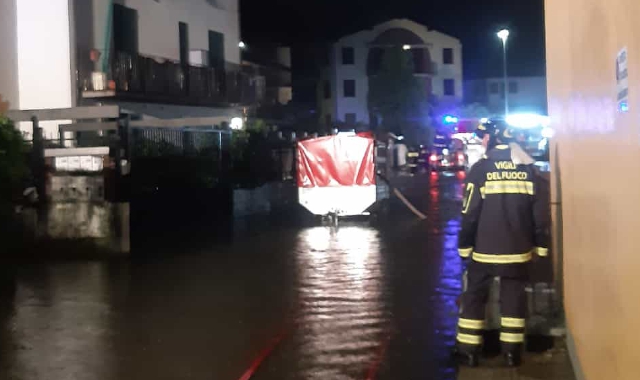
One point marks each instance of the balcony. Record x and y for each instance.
(134, 77)
(422, 63)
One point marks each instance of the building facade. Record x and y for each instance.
(156, 59)
(526, 94)
(353, 59)
(594, 107)
(271, 66)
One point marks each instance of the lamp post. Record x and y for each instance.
(504, 35)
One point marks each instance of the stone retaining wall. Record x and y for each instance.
(264, 200)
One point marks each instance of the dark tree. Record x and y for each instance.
(13, 168)
(398, 97)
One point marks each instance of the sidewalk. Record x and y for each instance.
(551, 365)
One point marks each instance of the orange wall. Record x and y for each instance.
(597, 153)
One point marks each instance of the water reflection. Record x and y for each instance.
(449, 281)
(63, 317)
(343, 319)
(208, 314)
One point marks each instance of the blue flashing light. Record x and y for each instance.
(448, 119)
(623, 106)
(527, 120)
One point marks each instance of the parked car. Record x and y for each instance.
(417, 158)
(447, 159)
(472, 147)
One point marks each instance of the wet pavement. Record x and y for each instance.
(553, 364)
(357, 302)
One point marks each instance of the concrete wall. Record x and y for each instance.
(42, 59)
(158, 25)
(77, 218)
(438, 42)
(248, 202)
(35, 64)
(269, 198)
(357, 72)
(9, 57)
(596, 158)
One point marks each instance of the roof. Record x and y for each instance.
(421, 30)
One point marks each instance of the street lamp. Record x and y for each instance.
(503, 35)
(236, 123)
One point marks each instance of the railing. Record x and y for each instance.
(150, 78)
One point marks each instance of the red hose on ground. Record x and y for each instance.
(403, 198)
(264, 354)
(375, 366)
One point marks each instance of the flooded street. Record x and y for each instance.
(357, 302)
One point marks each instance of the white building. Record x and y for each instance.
(168, 58)
(271, 65)
(526, 94)
(352, 59)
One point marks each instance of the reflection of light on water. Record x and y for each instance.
(450, 277)
(356, 242)
(318, 238)
(444, 218)
(342, 315)
(63, 317)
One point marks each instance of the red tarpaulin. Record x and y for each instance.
(336, 161)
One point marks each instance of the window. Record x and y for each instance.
(350, 119)
(449, 87)
(183, 36)
(513, 87)
(216, 50)
(327, 89)
(494, 88)
(348, 56)
(447, 56)
(125, 29)
(349, 88)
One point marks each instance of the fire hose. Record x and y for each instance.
(402, 198)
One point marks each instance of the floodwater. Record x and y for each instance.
(357, 302)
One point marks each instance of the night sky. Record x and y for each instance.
(305, 24)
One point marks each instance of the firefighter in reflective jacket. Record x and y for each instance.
(504, 224)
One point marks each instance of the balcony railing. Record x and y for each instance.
(142, 78)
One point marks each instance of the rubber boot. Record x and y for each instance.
(513, 359)
(469, 359)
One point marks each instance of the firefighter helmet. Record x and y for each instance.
(496, 129)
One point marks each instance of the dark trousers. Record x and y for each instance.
(513, 305)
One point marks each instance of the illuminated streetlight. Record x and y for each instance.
(504, 35)
(242, 45)
(236, 123)
(406, 47)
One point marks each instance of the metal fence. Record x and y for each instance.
(187, 158)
